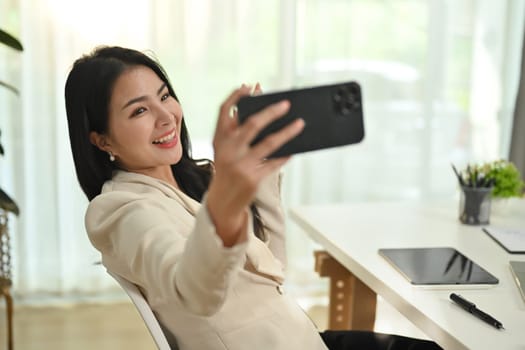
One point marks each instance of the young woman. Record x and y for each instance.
(204, 241)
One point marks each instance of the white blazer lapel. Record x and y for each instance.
(263, 260)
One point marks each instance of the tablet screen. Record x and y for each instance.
(437, 266)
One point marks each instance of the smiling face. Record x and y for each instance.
(144, 125)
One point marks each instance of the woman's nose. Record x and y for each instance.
(164, 116)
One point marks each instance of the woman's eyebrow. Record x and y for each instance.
(161, 88)
(142, 98)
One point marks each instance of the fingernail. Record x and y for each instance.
(283, 105)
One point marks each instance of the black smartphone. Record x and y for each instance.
(333, 116)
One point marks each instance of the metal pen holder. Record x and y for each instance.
(474, 205)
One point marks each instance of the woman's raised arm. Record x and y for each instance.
(239, 167)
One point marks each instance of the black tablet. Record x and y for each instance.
(437, 266)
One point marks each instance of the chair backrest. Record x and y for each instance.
(163, 338)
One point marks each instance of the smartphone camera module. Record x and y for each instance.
(346, 99)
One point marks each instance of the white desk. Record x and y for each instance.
(353, 233)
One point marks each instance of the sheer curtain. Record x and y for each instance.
(517, 142)
(439, 80)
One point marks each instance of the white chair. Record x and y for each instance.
(162, 337)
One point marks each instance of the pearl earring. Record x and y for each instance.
(111, 156)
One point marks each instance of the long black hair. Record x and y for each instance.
(88, 92)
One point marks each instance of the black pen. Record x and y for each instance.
(471, 307)
(460, 179)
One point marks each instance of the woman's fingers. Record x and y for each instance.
(232, 141)
(257, 90)
(224, 121)
(258, 121)
(274, 141)
(226, 124)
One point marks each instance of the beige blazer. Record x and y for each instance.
(208, 296)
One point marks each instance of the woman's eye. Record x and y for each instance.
(165, 96)
(139, 110)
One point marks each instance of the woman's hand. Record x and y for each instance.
(239, 167)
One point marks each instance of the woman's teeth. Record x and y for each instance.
(165, 139)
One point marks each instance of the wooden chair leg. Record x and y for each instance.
(9, 314)
(352, 303)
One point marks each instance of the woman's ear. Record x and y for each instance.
(100, 141)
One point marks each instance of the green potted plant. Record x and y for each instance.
(506, 177)
(6, 202)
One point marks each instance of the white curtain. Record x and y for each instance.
(439, 78)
